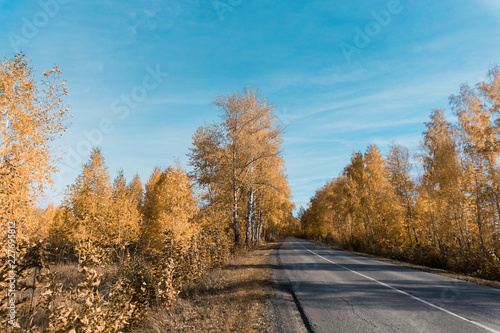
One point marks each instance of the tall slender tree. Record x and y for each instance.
(233, 160)
(32, 115)
(90, 200)
(399, 166)
(441, 181)
(124, 216)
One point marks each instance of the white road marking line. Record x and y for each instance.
(404, 293)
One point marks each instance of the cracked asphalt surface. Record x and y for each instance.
(319, 289)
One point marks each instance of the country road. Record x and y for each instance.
(319, 289)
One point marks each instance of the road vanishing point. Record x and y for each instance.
(319, 289)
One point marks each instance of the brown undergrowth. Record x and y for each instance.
(233, 298)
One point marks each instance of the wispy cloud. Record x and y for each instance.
(352, 125)
(290, 50)
(493, 5)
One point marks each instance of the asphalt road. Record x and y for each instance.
(319, 289)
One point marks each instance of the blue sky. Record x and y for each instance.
(332, 101)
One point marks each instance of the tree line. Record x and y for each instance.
(157, 236)
(439, 206)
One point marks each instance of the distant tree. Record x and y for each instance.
(136, 191)
(399, 166)
(354, 173)
(90, 201)
(125, 214)
(61, 231)
(40, 223)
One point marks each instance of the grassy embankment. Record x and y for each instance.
(234, 298)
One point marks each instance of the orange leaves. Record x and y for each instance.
(240, 160)
(29, 120)
(169, 204)
(445, 213)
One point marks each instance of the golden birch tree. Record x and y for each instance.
(32, 116)
(441, 183)
(478, 124)
(232, 160)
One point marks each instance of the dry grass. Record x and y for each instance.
(67, 275)
(230, 299)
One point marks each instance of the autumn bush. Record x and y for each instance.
(89, 303)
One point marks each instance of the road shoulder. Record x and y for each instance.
(286, 316)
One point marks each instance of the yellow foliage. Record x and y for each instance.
(31, 116)
(169, 204)
(448, 216)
